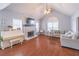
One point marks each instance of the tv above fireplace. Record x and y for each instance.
(30, 21)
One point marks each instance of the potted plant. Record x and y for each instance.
(1, 39)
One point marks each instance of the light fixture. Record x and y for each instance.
(47, 9)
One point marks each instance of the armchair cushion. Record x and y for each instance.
(70, 42)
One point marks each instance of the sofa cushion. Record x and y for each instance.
(74, 37)
(10, 34)
(77, 36)
(69, 34)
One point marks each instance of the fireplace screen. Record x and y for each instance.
(31, 33)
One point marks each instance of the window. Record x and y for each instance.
(49, 25)
(37, 26)
(53, 25)
(17, 23)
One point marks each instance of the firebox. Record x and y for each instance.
(31, 33)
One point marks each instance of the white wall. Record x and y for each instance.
(64, 21)
(75, 22)
(7, 16)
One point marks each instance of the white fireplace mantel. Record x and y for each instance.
(27, 29)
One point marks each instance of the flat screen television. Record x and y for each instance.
(30, 22)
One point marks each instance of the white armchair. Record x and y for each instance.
(71, 42)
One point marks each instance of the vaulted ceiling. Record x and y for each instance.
(3, 5)
(67, 8)
(38, 8)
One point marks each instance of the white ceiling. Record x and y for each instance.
(26, 8)
(3, 5)
(29, 9)
(67, 8)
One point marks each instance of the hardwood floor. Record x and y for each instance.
(40, 46)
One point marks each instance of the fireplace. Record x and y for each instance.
(31, 33)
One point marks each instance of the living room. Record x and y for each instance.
(43, 29)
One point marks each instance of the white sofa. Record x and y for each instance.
(10, 38)
(69, 42)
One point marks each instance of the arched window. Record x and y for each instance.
(53, 24)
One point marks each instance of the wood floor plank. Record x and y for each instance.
(40, 46)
